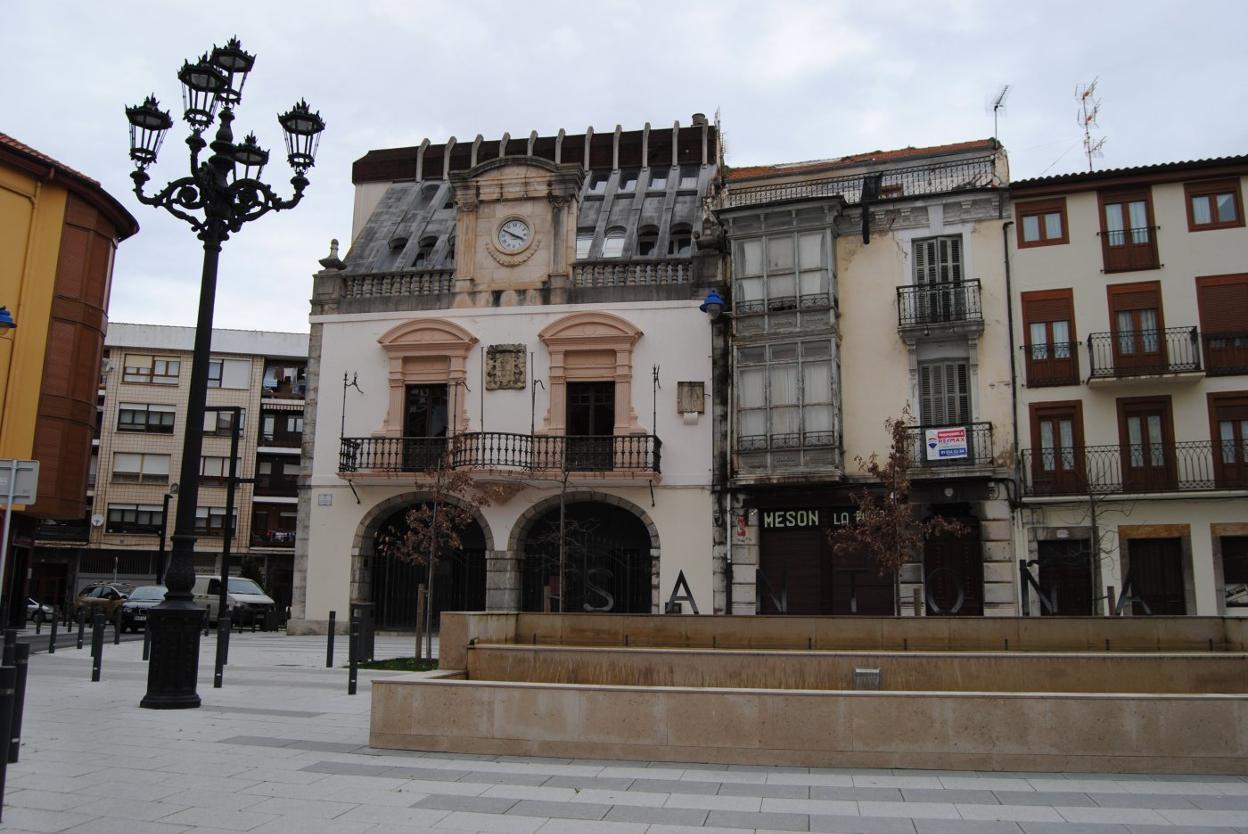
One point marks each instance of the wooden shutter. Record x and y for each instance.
(1145, 295)
(1048, 305)
(924, 261)
(1223, 303)
(950, 259)
(944, 393)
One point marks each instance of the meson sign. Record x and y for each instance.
(805, 519)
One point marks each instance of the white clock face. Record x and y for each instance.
(514, 235)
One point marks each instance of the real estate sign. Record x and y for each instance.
(947, 443)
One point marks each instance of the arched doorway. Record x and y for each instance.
(606, 560)
(953, 568)
(458, 579)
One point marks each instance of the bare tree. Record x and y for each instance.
(434, 529)
(885, 525)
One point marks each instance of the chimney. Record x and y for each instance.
(699, 119)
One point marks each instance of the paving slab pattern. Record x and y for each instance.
(282, 747)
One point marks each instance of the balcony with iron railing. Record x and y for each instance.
(1052, 363)
(523, 455)
(1122, 355)
(1226, 353)
(953, 306)
(272, 538)
(1128, 250)
(1186, 466)
(935, 451)
(913, 181)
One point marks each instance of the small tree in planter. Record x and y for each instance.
(434, 529)
(885, 526)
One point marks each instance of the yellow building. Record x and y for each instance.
(59, 231)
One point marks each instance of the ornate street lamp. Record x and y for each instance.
(220, 195)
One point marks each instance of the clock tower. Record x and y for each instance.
(516, 231)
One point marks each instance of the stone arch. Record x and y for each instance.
(526, 520)
(364, 541)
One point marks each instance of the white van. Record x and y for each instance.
(245, 600)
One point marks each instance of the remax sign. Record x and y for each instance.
(943, 444)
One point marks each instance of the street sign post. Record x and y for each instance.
(19, 484)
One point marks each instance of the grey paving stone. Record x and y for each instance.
(1068, 799)
(860, 825)
(1073, 828)
(1170, 829)
(325, 746)
(765, 791)
(258, 741)
(482, 777)
(1220, 803)
(757, 819)
(428, 774)
(457, 802)
(559, 810)
(856, 794)
(1136, 800)
(674, 786)
(347, 769)
(284, 713)
(653, 816)
(948, 795)
(606, 783)
(966, 827)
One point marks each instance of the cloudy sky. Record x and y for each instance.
(792, 81)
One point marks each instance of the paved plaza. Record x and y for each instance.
(283, 748)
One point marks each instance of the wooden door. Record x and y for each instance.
(1136, 326)
(1147, 445)
(1066, 578)
(1156, 576)
(591, 424)
(1229, 418)
(953, 572)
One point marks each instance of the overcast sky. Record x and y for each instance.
(792, 81)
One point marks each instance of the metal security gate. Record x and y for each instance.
(607, 565)
(459, 585)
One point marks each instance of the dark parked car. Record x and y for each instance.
(104, 597)
(134, 609)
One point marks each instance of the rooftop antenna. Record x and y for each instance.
(1089, 106)
(998, 106)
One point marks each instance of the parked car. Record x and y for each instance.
(134, 609)
(104, 597)
(245, 600)
(37, 611)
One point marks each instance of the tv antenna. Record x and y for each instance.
(997, 106)
(1089, 106)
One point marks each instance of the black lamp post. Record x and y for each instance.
(217, 198)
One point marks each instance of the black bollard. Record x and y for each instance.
(353, 659)
(10, 646)
(229, 630)
(39, 623)
(329, 649)
(223, 624)
(19, 700)
(82, 626)
(97, 646)
(8, 683)
(147, 642)
(52, 637)
(117, 629)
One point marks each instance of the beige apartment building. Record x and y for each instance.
(866, 288)
(132, 498)
(1130, 313)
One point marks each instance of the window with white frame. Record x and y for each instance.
(211, 520)
(613, 243)
(584, 240)
(781, 272)
(134, 518)
(135, 467)
(229, 373)
(785, 395)
(220, 421)
(938, 260)
(217, 468)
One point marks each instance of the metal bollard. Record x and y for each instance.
(353, 657)
(329, 649)
(82, 626)
(52, 637)
(39, 623)
(97, 646)
(147, 642)
(10, 646)
(8, 683)
(223, 631)
(19, 700)
(117, 629)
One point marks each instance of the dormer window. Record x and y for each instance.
(680, 245)
(584, 240)
(658, 180)
(613, 244)
(628, 182)
(647, 241)
(688, 178)
(424, 255)
(598, 182)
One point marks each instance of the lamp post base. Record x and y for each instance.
(173, 670)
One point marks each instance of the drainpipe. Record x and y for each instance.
(1009, 318)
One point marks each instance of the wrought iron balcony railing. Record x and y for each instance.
(940, 447)
(917, 180)
(272, 538)
(1144, 352)
(1226, 353)
(931, 304)
(502, 450)
(1164, 467)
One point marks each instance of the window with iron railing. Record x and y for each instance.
(1128, 234)
(786, 396)
(782, 272)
